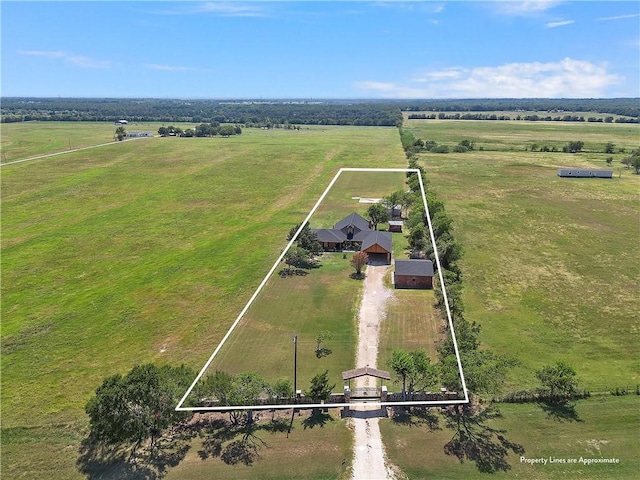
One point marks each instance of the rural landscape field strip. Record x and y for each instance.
(147, 252)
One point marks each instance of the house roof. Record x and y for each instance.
(382, 239)
(415, 268)
(326, 235)
(361, 372)
(353, 219)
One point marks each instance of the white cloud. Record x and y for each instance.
(77, 60)
(170, 68)
(223, 9)
(560, 23)
(565, 78)
(526, 7)
(620, 17)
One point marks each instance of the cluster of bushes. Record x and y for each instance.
(301, 255)
(413, 145)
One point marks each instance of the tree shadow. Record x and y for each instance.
(416, 417)
(323, 352)
(239, 443)
(561, 411)
(477, 442)
(99, 461)
(356, 276)
(316, 419)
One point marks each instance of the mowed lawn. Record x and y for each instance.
(549, 264)
(324, 300)
(143, 251)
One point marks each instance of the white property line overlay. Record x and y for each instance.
(180, 408)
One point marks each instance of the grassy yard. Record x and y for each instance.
(143, 251)
(324, 300)
(606, 427)
(315, 452)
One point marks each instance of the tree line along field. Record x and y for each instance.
(146, 251)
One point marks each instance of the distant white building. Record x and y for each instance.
(139, 134)
(121, 122)
(584, 173)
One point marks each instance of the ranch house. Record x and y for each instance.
(354, 231)
(416, 274)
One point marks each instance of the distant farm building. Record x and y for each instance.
(121, 122)
(584, 173)
(413, 274)
(139, 134)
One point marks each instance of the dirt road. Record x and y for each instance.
(369, 462)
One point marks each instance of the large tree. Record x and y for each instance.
(558, 380)
(377, 214)
(139, 405)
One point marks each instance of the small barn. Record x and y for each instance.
(584, 173)
(377, 246)
(416, 274)
(395, 226)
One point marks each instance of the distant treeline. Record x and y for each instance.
(629, 107)
(282, 112)
(250, 113)
(529, 117)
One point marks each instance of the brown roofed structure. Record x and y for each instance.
(361, 372)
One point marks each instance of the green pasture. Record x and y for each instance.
(549, 265)
(148, 250)
(603, 427)
(512, 136)
(144, 251)
(30, 139)
(324, 300)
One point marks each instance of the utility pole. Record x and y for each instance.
(295, 368)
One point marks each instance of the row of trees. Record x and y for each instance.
(518, 117)
(484, 370)
(202, 130)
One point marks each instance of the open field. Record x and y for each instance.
(148, 250)
(606, 427)
(511, 136)
(144, 251)
(30, 139)
(549, 268)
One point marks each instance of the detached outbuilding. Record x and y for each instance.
(378, 246)
(413, 274)
(395, 226)
(584, 173)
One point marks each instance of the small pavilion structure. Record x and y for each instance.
(365, 393)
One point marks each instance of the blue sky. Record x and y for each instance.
(331, 49)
